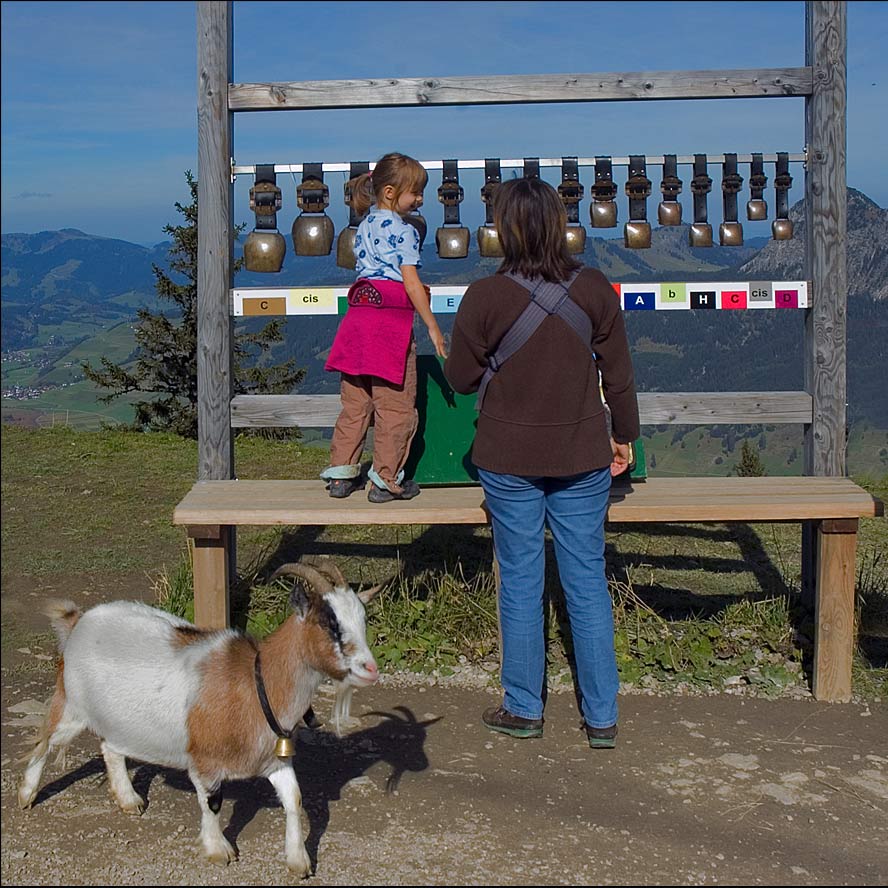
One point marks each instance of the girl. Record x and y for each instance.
(374, 348)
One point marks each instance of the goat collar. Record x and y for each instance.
(284, 748)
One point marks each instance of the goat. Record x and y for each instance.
(156, 688)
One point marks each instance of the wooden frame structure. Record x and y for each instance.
(820, 407)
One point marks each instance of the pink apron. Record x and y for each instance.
(374, 336)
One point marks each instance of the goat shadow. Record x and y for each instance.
(325, 765)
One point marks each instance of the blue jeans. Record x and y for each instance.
(574, 509)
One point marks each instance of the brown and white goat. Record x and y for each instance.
(153, 687)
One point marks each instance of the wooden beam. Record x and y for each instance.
(656, 408)
(521, 89)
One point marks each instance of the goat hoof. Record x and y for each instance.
(223, 855)
(300, 864)
(26, 799)
(136, 809)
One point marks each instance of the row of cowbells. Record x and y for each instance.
(313, 233)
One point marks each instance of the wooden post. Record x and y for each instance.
(210, 560)
(214, 263)
(214, 242)
(826, 268)
(834, 611)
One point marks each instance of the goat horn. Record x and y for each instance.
(329, 568)
(314, 577)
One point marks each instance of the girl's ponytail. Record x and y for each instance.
(362, 193)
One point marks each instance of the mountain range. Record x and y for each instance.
(59, 287)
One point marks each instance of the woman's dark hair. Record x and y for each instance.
(531, 222)
(403, 173)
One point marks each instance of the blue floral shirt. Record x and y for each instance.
(383, 244)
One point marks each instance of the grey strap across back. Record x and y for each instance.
(546, 298)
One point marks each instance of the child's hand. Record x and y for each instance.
(437, 340)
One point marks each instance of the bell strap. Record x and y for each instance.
(450, 192)
(546, 298)
(358, 168)
(266, 201)
(701, 185)
(732, 182)
(638, 188)
(266, 706)
(604, 188)
(570, 190)
(670, 187)
(782, 184)
(757, 178)
(531, 168)
(312, 195)
(492, 177)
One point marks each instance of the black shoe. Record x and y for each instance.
(342, 487)
(498, 718)
(601, 738)
(409, 489)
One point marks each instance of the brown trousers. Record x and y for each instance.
(393, 411)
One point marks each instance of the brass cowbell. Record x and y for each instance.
(265, 246)
(603, 210)
(285, 747)
(312, 230)
(489, 244)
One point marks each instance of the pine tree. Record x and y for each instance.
(750, 465)
(165, 366)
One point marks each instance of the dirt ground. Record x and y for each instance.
(701, 790)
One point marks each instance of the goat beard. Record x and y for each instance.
(342, 706)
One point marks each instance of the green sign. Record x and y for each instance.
(442, 447)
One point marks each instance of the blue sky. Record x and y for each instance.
(99, 99)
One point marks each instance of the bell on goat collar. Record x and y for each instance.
(637, 235)
(264, 251)
(730, 234)
(669, 212)
(284, 748)
(489, 243)
(575, 237)
(345, 248)
(781, 229)
(700, 234)
(756, 210)
(312, 234)
(452, 243)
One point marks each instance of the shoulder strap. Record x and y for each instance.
(546, 298)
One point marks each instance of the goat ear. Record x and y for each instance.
(300, 598)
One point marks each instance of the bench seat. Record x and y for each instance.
(657, 499)
(833, 506)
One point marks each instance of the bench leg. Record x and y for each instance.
(834, 609)
(211, 590)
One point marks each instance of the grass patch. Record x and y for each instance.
(705, 605)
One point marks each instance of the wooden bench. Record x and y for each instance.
(834, 505)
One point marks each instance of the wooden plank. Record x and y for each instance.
(523, 89)
(214, 242)
(655, 408)
(834, 614)
(826, 225)
(211, 588)
(657, 499)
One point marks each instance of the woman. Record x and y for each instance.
(543, 448)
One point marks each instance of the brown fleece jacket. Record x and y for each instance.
(542, 413)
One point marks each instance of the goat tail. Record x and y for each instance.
(63, 616)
